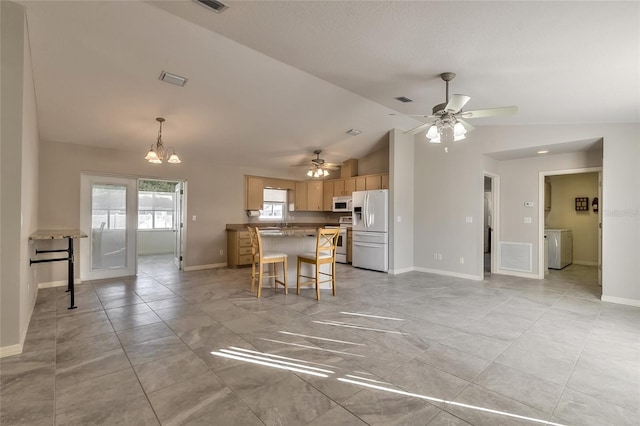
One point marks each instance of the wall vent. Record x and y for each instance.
(215, 5)
(167, 77)
(516, 256)
(404, 99)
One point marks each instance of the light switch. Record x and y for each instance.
(399, 219)
(528, 203)
(193, 218)
(469, 219)
(527, 220)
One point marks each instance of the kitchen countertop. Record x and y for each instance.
(275, 226)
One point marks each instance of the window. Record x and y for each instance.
(274, 204)
(109, 206)
(155, 210)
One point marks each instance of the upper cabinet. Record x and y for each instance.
(254, 192)
(301, 196)
(314, 196)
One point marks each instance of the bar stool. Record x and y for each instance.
(262, 258)
(325, 253)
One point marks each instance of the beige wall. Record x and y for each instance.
(375, 162)
(19, 178)
(215, 194)
(564, 190)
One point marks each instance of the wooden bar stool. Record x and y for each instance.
(325, 253)
(261, 258)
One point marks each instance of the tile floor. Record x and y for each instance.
(411, 349)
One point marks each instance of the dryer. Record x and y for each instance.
(560, 247)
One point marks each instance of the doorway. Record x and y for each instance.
(571, 206)
(489, 221)
(160, 226)
(108, 218)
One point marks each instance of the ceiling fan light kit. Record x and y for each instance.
(159, 154)
(447, 124)
(317, 167)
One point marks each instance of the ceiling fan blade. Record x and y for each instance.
(456, 103)
(415, 115)
(490, 112)
(301, 165)
(418, 129)
(468, 127)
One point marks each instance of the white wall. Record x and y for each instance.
(448, 187)
(584, 224)
(401, 202)
(19, 178)
(156, 242)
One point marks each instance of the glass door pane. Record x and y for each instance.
(108, 215)
(108, 226)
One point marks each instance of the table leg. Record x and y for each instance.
(70, 285)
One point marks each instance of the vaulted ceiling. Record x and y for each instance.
(270, 81)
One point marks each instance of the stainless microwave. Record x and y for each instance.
(342, 204)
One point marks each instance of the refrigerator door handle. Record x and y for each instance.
(374, 245)
(364, 213)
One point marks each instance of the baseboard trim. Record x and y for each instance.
(400, 271)
(209, 266)
(11, 350)
(449, 273)
(621, 301)
(585, 263)
(60, 283)
(517, 274)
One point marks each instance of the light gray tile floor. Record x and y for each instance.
(170, 347)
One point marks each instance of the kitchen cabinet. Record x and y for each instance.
(254, 192)
(338, 188)
(314, 196)
(361, 183)
(301, 196)
(349, 186)
(327, 195)
(277, 183)
(385, 181)
(373, 182)
(238, 248)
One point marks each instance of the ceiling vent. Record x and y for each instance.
(215, 5)
(353, 132)
(167, 77)
(404, 99)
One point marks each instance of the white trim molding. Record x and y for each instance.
(518, 274)
(450, 274)
(11, 350)
(401, 270)
(209, 266)
(60, 283)
(621, 301)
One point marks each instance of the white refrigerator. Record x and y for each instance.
(370, 217)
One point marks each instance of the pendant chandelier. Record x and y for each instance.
(159, 155)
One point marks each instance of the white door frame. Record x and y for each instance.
(541, 219)
(495, 221)
(86, 181)
(180, 226)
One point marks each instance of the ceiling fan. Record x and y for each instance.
(447, 119)
(318, 167)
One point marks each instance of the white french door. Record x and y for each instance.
(108, 215)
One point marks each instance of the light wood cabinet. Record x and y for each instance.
(373, 182)
(314, 196)
(238, 249)
(385, 181)
(338, 188)
(301, 196)
(327, 195)
(254, 192)
(349, 186)
(277, 183)
(361, 183)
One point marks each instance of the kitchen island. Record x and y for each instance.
(292, 240)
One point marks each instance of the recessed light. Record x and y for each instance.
(353, 132)
(543, 152)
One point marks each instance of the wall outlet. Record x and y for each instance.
(221, 252)
(435, 256)
(399, 219)
(469, 219)
(439, 256)
(193, 218)
(528, 203)
(462, 260)
(527, 220)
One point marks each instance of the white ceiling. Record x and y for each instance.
(270, 81)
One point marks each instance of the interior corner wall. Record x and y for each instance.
(401, 203)
(621, 217)
(376, 161)
(19, 181)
